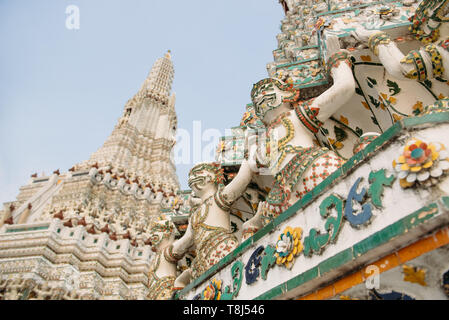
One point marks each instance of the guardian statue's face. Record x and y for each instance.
(267, 97)
(204, 174)
(269, 94)
(199, 179)
(161, 229)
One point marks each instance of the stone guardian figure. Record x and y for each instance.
(209, 229)
(163, 269)
(293, 157)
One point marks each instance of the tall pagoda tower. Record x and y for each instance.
(100, 209)
(141, 142)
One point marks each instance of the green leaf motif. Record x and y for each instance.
(371, 82)
(333, 224)
(234, 227)
(378, 180)
(315, 242)
(393, 87)
(416, 112)
(375, 102)
(428, 83)
(359, 91)
(268, 260)
(340, 134)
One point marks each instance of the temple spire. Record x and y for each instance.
(160, 77)
(168, 54)
(141, 142)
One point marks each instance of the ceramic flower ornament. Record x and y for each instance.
(421, 163)
(213, 290)
(288, 246)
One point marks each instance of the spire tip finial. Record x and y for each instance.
(168, 54)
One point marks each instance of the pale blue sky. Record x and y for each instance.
(62, 91)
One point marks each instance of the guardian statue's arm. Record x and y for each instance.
(426, 63)
(339, 67)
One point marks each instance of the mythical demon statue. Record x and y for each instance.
(297, 163)
(209, 228)
(163, 269)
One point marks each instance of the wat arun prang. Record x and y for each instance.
(344, 195)
(83, 234)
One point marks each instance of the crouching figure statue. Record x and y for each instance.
(209, 229)
(163, 269)
(290, 153)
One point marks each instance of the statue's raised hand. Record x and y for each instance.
(256, 150)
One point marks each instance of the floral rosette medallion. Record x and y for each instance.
(288, 246)
(421, 163)
(212, 291)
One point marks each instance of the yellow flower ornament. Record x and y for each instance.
(212, 291)
(422, 163)
(288, 246)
